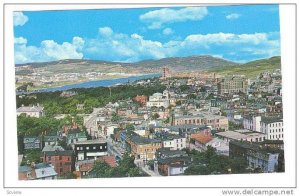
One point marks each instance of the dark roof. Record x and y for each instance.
(174, 160)
(141, 140)
(272, 142)
(41, 165)
(50, 137)
(254, 147)
(59, 153)
(268, 120)
(74, 130)
(166, 152)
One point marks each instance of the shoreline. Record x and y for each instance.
(94, 83)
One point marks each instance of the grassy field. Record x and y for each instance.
(251, 69)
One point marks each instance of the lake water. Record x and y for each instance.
(98, 83)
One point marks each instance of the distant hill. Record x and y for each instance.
(185, 63)
(252, 68)
(177, 64)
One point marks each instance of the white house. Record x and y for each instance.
(158, 100)
(252, 123)
(174, 142)
(272, 127)
(32, 111)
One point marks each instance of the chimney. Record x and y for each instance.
(32, 165)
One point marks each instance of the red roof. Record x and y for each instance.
(202, 138)
(110, 160)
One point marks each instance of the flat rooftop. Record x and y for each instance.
(97, 141)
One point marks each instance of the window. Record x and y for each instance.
(87, 148)
(60, 157)
(49, 158)
(94, 147)
(100, 147)
(77, 148)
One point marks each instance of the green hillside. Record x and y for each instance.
(251, 69)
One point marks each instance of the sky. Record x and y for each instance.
(236, 33)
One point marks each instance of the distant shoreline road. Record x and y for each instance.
(96, 83)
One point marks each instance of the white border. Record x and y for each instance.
(287, 179)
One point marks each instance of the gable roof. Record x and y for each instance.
(202, 137)
(30, 109)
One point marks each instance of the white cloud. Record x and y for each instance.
(131, 48)
(225, 38)
(19, 18)
(233, 16)
(157, 18)
(113, 46)
(48, 50)
(105, 31)
(168, 31)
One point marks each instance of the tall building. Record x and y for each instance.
(257, 157)
(166, 73)
(232, 85)
(272, 127)
(252, 123)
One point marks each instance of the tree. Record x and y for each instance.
(32, 156)
(69, 175)
(130, 127)
(155, 116)
(197, 170)
(115, 117)
(238, 165)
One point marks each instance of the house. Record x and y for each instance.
(272, 127)
(143, 148)
(50, 140)
(32, 111)
(109, 160)
(171, 162)
(63, 161)
(174, 142)
(273, 144)
(82, 168)
(158, 100)
(45, 172)
(201, 139)
(232, 85)
(75, 135)
(241, 135)
(40, 171)
(221, 146)
(141, 99)
(32, 142)
(90, 149)
(50, 148)
(252, 123)
(80, 106)
(257, 157)
(215, 121)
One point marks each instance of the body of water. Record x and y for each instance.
(98, 83)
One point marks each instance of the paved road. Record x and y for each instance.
(90, 123)
(140, 164)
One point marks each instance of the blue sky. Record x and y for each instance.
(237, 33)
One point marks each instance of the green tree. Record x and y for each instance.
(197, 170)
(155, 116)
(69, 175)
(130, 127)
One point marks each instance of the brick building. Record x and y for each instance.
(63, 161)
